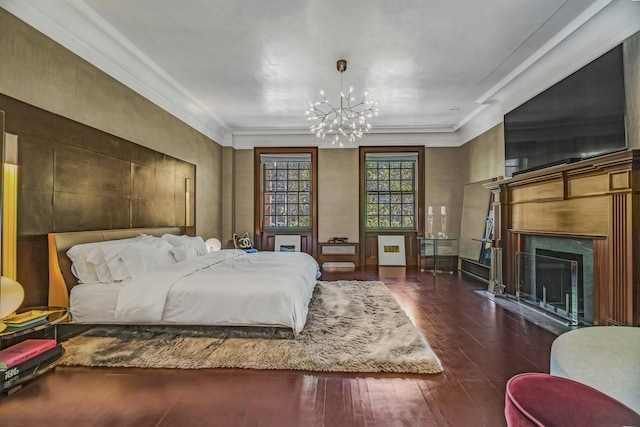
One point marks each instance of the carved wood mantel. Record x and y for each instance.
(597, 199)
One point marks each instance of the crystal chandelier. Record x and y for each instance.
(346, 122)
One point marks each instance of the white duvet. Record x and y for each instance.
(228, 287)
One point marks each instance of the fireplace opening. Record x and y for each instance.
(555, 274)
(556, 281)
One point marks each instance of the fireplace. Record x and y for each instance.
(555, 274)
(595, 202)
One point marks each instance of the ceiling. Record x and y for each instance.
(244, 71)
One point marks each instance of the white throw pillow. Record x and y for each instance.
(85, 270)
(184, 253)
(142, 257)
(195, 242)
(119, 260)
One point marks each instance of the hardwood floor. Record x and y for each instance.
(480, 345)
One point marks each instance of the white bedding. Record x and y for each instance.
(228, 287)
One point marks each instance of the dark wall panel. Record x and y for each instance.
(143, 213)
(115, 177)
(179, 201)
(37, 218)
(143, 182)
(73, 177)
(76, 212)
(36, 159)
(165, 189)
(31, 269)
(143, 156)
(115, 212)
(76, 170)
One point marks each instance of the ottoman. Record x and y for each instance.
(536, 399)
(606, 358)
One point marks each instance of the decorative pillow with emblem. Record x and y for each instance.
(243, 242)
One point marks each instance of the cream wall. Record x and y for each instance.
(485, 160)
(243, 194)
(228, 196)
(445, 176)
(486, 155)
(36, 70)
(338, 194)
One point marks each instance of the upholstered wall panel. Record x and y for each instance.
(31, 269)
(38, 218)
(179, 202)
(72, 177)
(115, 177)
(76, 170)
(37, 156)
(74, 212)
(143, 182)
(165, 187)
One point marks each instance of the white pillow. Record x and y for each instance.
(109, 267)
(184, 253)
(142, 257)
(85, 270)
(196, 242)
(119, 260)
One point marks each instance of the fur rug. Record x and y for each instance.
(352, 326)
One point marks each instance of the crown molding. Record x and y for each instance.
(248, 139)
(90, 37)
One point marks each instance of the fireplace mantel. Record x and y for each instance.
(596, 199)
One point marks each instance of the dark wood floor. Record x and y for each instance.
(480, 345)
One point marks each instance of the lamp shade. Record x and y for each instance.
(11, 296)
(213, 244)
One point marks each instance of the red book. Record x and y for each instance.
(23, 351)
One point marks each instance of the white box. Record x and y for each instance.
(391, 250)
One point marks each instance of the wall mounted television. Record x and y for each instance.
(580, 117)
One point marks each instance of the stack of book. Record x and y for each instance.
(26, 358)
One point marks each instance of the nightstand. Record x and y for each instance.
(341, 253)
(11, 380)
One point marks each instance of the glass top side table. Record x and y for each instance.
(436, 248)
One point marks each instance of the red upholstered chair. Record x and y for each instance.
(535, 399)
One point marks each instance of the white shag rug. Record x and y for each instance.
(352, 326)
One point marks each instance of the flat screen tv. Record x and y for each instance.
(580, 117)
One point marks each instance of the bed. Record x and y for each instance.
(133, 280)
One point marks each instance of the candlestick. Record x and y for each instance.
(443, 223)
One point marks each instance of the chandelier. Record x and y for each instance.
(346, 122)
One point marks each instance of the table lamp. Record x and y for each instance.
(213, 244)
(11, 297)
